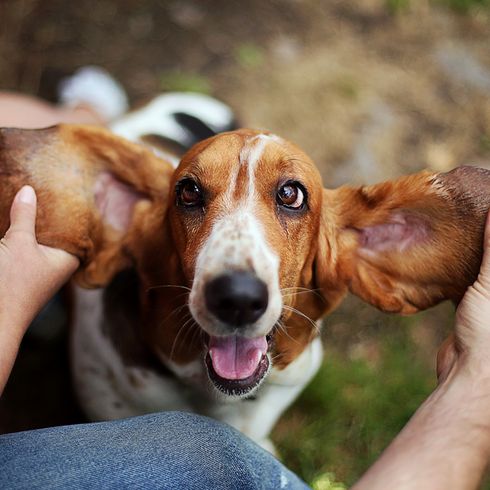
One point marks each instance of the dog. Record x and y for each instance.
(201, 288)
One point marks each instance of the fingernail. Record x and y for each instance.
(27, 195)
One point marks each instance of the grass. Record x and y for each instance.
(250, 55)
(353, 409)
(377, 371)
(485, 143)
(460, 6)
(177, 81)
(464, 6)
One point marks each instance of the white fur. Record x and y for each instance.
(107, 389)
(238, 242)
(156, 118)
(256, 418)
(95, 87)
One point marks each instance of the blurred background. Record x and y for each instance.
(371, 89)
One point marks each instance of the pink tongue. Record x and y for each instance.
(236, 357)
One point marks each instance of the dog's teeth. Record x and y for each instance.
(211, 354)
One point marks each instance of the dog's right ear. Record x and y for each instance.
(407, 244)
(98, 195)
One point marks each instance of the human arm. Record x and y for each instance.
(30, 274)
(446, 444)
(24, 111)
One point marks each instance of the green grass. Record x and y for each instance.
(177, 81)
(353, 409)
(395, 6)
(464, 6)
(460, 6)
(485, 143)
(347, 87)
(361, 398)
(250, 55)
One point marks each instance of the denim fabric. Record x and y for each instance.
(170, 450)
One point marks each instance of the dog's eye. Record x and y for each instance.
(291, 195)
(188, 193)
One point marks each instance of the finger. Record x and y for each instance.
(485, 265)
(446, 357)
(23, 211)
(62, 260)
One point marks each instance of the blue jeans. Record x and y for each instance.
(170, 450)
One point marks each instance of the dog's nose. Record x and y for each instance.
(237, 298)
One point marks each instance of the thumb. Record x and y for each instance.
(484, 276)
(23, 211)
(474, 310)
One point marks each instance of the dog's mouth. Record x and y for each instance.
(237, 365)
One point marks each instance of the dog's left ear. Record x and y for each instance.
(99, 196)
(405, 245)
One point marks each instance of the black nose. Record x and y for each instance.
(237, 298)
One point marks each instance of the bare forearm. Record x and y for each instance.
(22, 111)
(446, 444)
(11, 334)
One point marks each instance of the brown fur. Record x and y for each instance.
(62, 164)
(450, 208)
(292, 242)
(336, 246)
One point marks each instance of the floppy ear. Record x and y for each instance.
(98, 195)
(407, 244)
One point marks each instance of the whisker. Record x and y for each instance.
(283, 328)
(300, 313)
(297, 293)
(160, 286)
(194, 328)
(185, 317)
(300, 290)
(174, 344)
(277, 356)
(181, 295)
(173, 312)
(197, 332)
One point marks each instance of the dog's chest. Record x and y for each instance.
(116, 378)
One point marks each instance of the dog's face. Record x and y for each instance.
(244, 216)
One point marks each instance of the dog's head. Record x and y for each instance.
(266, 251)
(246, 230)
(244, 217)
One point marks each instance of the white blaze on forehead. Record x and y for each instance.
(250, 155)
(238, 241)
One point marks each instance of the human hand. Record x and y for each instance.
(468, 349)
(30, 273)
(453, 420)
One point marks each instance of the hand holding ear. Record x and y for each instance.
(30, 274)
(469, 347)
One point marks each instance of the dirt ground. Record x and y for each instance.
(370, 92)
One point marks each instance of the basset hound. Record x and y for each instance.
(202, 287)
